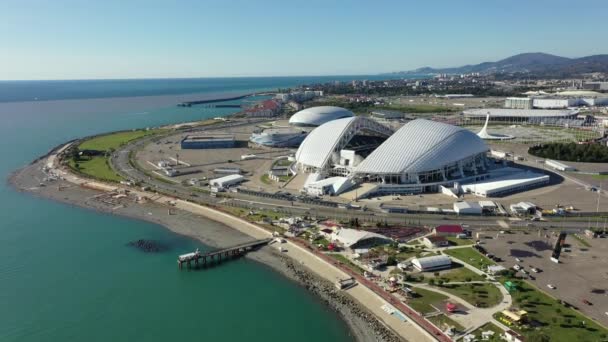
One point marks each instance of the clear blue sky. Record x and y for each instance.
(61, 39)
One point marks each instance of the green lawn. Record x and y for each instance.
(443, 322)
(460, 274)
(341, 258)
(265, 179)
(558, 322)
(581, 240)
(470, 256)
(96, 167)
(482, 295)
(115, 140)
(459, 242)
(489, 326)
(422, 303)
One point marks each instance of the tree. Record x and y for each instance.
(440, 282)
(468, 279)
(431, 281)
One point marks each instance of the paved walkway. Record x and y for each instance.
(475, 317)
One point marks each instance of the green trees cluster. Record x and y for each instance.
(589, 153)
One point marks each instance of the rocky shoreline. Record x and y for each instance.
(363, 325)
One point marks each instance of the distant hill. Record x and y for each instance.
(542, 64)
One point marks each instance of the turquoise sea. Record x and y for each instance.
(65, 272)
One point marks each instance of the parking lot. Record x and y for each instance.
(582, 273)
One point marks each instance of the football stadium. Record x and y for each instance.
(422, 156)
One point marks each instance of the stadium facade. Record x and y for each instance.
(420, 157)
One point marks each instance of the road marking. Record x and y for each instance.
(502, 223)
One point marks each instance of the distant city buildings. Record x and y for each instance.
(299, 96)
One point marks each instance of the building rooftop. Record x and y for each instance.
(449, 228)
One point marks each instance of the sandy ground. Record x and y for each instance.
(367, 322)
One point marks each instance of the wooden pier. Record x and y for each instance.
(217, 256)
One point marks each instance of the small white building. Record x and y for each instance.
(498, 154)
(432, 263)
(467, 208)
(328, 186)
(558, 166)
(226, 181)
(523, 208)
(435, 241)
(488, 205)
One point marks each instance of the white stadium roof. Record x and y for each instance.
(523, 113)
(422, 145)
(317, 148)
(316, 116)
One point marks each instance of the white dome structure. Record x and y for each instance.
(423, 146)
(322, 146)
(420, 157)
(316, 116)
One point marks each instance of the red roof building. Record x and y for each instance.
(448, 230)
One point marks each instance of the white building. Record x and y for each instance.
(432, 263)
(549, 103)
(523, 208)
(498, 185)
(518, 102)
(226, 181)
(558, 166)
(328, 186)
(467, 208)
(358, 239)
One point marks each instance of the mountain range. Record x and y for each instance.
(537, 63)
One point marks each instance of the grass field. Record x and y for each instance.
(470, 256)
(425, 298)
(443, 322)
(459, 274)
(115, 140)
(558, 323)
(459, 242)
(341, 258)
(98, 166)
(482, 295)
(489, 326)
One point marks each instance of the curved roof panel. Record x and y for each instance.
(322, 141)
(316, 116)
(422, 145)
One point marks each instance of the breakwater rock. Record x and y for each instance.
(368, 327)
(148, 246)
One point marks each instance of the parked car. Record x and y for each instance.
(587, 302)
(535, 270)
(551, 286)
(518, 259)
